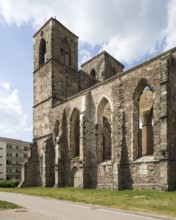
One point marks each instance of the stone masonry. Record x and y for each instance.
(100, 127)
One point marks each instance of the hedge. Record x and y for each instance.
(9, 183)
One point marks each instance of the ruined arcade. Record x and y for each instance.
(100, 127)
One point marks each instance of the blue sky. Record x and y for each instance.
(131, 31)
(16, 78)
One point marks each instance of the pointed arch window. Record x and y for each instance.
(65, 52)
(106, 139)
(42, 52)
(75, 134)
(93, 73)
(68, 56)
(145, 122)
(104, 145)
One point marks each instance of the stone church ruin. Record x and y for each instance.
(100, 127)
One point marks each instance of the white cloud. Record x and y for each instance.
(20, 12)
(85, 55)
(6, 85)
(127, 29)
(12, 117)
(170, 31)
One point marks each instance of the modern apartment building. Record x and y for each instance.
(13, 153)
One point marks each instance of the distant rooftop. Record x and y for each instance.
(12, 141)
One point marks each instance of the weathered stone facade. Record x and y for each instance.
(100, 127)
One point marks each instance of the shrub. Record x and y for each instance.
(9, 183)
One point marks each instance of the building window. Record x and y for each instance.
(143, 120)
(93, 73)
(9, 146)
(65, 52)
(104, 145)
(145, 142)
(42, 52)
(75, 133)
(106, 139)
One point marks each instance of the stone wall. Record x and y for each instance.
(49, 162)
(121, 92)
(68, 79)
(30, 168)
(42, 80)
(86, 81)
(42, 119)
(146, 172)
(105, 175)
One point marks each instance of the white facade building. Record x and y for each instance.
(12, 155)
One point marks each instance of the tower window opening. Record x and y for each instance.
(65, 52)
(93, 73)
(42, 52)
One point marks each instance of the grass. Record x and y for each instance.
(8, 205)
(142, 201)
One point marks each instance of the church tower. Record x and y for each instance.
(55, 79)
(55, 71)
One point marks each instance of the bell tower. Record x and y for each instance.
(55, 71)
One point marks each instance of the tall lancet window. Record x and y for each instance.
(42, 52)
(145, 142)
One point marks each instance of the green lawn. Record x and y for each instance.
(143, 201)
(8, 205)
